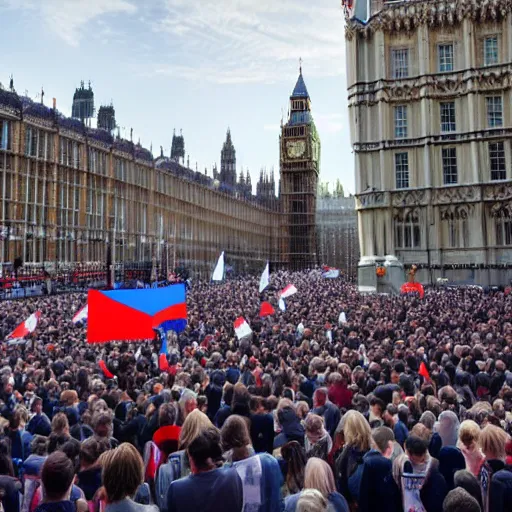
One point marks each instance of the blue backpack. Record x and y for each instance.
(166, 475)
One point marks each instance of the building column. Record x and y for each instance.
(470, 62)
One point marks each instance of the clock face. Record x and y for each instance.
(296, 148)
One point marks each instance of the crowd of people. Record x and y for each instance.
(342, 402)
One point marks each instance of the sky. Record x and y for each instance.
(199, 66)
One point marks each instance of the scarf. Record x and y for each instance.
(314, 438)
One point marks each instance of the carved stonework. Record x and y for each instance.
(498, 192)
(409, 197)
(456, 195)
(503, 209)
(433, 86)
(406, 16)
(373, 199)
(457, 212)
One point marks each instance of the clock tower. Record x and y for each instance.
(300, 165)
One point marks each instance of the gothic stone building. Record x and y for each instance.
(67, 192)
(429, 88)
(71, 194)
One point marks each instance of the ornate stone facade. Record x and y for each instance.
(430, 106)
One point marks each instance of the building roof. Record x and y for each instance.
(300, 90)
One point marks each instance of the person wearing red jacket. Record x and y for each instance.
(338, 392)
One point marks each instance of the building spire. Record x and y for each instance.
(300, 65)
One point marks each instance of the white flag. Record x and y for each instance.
(288, 291)
(218, 273)
(282, 305)
(81, 316)
(342, 318)
(242, 328)
(265, 278)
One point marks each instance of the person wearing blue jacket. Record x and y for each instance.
(377, 488)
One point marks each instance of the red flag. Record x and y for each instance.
(27, 327)
(423, 371)
(108, 374)
(413, 288)
(163, 364)
(266, 309)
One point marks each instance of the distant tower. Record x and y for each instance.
(300, 166)
(83, 104)
(107, 118)
(178, 148)
(228, 162)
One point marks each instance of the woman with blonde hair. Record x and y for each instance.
(311, 501)
(492, 442)
(468, 443)
(319, 476)
(358, 439)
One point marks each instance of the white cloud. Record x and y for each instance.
(328, 123)
(272, 128)
(68, 18)
(251, 41)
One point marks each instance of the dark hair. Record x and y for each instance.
(57, 475)
(295, 457)
(39, 445)
(381, 437)
(92, 448)
(467, 481)
(378, 402)
(205, 450)
(403, 415)
(227, 393)
(55, 441)
(416, 446)
(6, 466)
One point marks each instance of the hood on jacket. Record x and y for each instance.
(290, 424)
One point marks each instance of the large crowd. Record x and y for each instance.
(342, 402)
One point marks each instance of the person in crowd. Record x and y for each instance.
(187, 403)
(322, 406)
(318, 442)
(319, 476)
(89, 474)
(492, 441)
(417, 461)
(459, 500)
(262, 426)
(311, 500)
(39, 423)
(10, 486)
(349, 465)
(465, 479)
(209, 484)
(469, 435)
(293, 464)
(122, 474)
(168, 434)
(378, 490)
(291, 428)
(263, 469)
(57, 475)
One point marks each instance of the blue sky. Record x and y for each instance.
(196, 65)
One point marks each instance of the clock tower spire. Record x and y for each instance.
(300, 166)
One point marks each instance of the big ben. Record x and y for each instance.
(300, 166)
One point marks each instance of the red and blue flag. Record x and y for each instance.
(135, 314)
